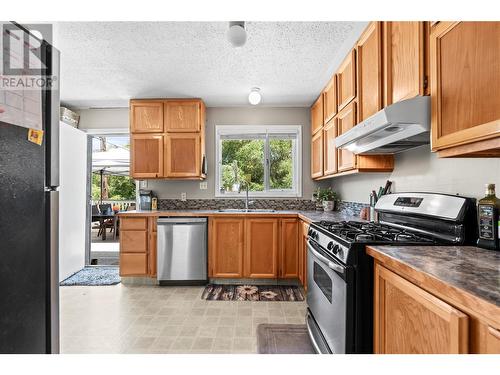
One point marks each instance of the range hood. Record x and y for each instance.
(398, 127)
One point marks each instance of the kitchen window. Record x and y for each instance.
(266, 158)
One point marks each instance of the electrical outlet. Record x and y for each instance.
(203, 185)
(143, 184)
(183, 197)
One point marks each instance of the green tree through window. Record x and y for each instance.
(268, 162)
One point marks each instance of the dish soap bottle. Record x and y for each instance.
(489, 220)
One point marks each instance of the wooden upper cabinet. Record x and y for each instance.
(183, 115)
(289, 249)
(330, 151)
(330, 100)
(409, 320)
(182, 155)
(146, 152)
(404, 60)
(346, 120)
(226, 247)
(317, 155)
(317, 115)
(261, 248)
(369, 75)
(146, 116)
(465, 88)
(346, 80)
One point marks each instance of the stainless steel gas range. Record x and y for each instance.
(340, 274)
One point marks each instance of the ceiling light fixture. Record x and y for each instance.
(254, 97)
(237, 34)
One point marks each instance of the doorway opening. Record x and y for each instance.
(111, 190)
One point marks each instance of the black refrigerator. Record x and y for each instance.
(29, 179)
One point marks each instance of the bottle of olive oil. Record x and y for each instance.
(489, 220)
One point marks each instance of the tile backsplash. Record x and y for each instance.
(216, 204)
(351, 208)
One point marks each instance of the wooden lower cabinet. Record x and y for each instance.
(138, 246)
(226, 247)
(409, 320)
(261, 248)
(133, 264)
(289, 249)
(303, 229)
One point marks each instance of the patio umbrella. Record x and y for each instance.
(115, 161)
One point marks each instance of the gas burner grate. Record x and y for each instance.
(357, 231)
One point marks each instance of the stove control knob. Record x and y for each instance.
(340, 253)
(330, 245)
(335, 249)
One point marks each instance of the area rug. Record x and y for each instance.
(214, 292)
(283, 339)
(94, 276)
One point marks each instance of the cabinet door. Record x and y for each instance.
(369, 77)
(403, 60)
(492, 341)
(182, 116)
(317, 155)
(133, 264)
(409, 320)
(346, 78)
(330, 151)
(182, 155)
(303, 228)
(304, 244)
(465, 83)
(146, 116)
(152, 249)
(261, 248)
(146, 153)
(346, 120)
(226, 247)
(317, 115)
(330, 100)
(289, 249)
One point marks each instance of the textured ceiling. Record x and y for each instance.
(106, 64)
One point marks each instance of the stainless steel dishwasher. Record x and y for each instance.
(182, 250)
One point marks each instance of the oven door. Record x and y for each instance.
(328, 297)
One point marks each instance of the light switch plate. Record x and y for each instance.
(143, 184)
(183, 197)
(203, 185)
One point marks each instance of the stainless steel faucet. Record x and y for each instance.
(247, 202)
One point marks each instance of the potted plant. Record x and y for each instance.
(327, 197)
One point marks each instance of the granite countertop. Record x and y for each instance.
(469, 268)
(311, 216)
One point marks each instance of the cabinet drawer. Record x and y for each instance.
(133, 264)
(134, 241)
(136, 223)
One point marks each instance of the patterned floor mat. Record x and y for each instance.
(287, 293)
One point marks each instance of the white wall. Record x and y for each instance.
(421, 170)
(72, 202)
(242, 116)
(106, 118)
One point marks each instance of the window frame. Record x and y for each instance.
(269, 131)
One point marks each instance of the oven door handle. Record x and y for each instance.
(336, 267)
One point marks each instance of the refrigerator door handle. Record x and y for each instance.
(53, 121)
(53, 293)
